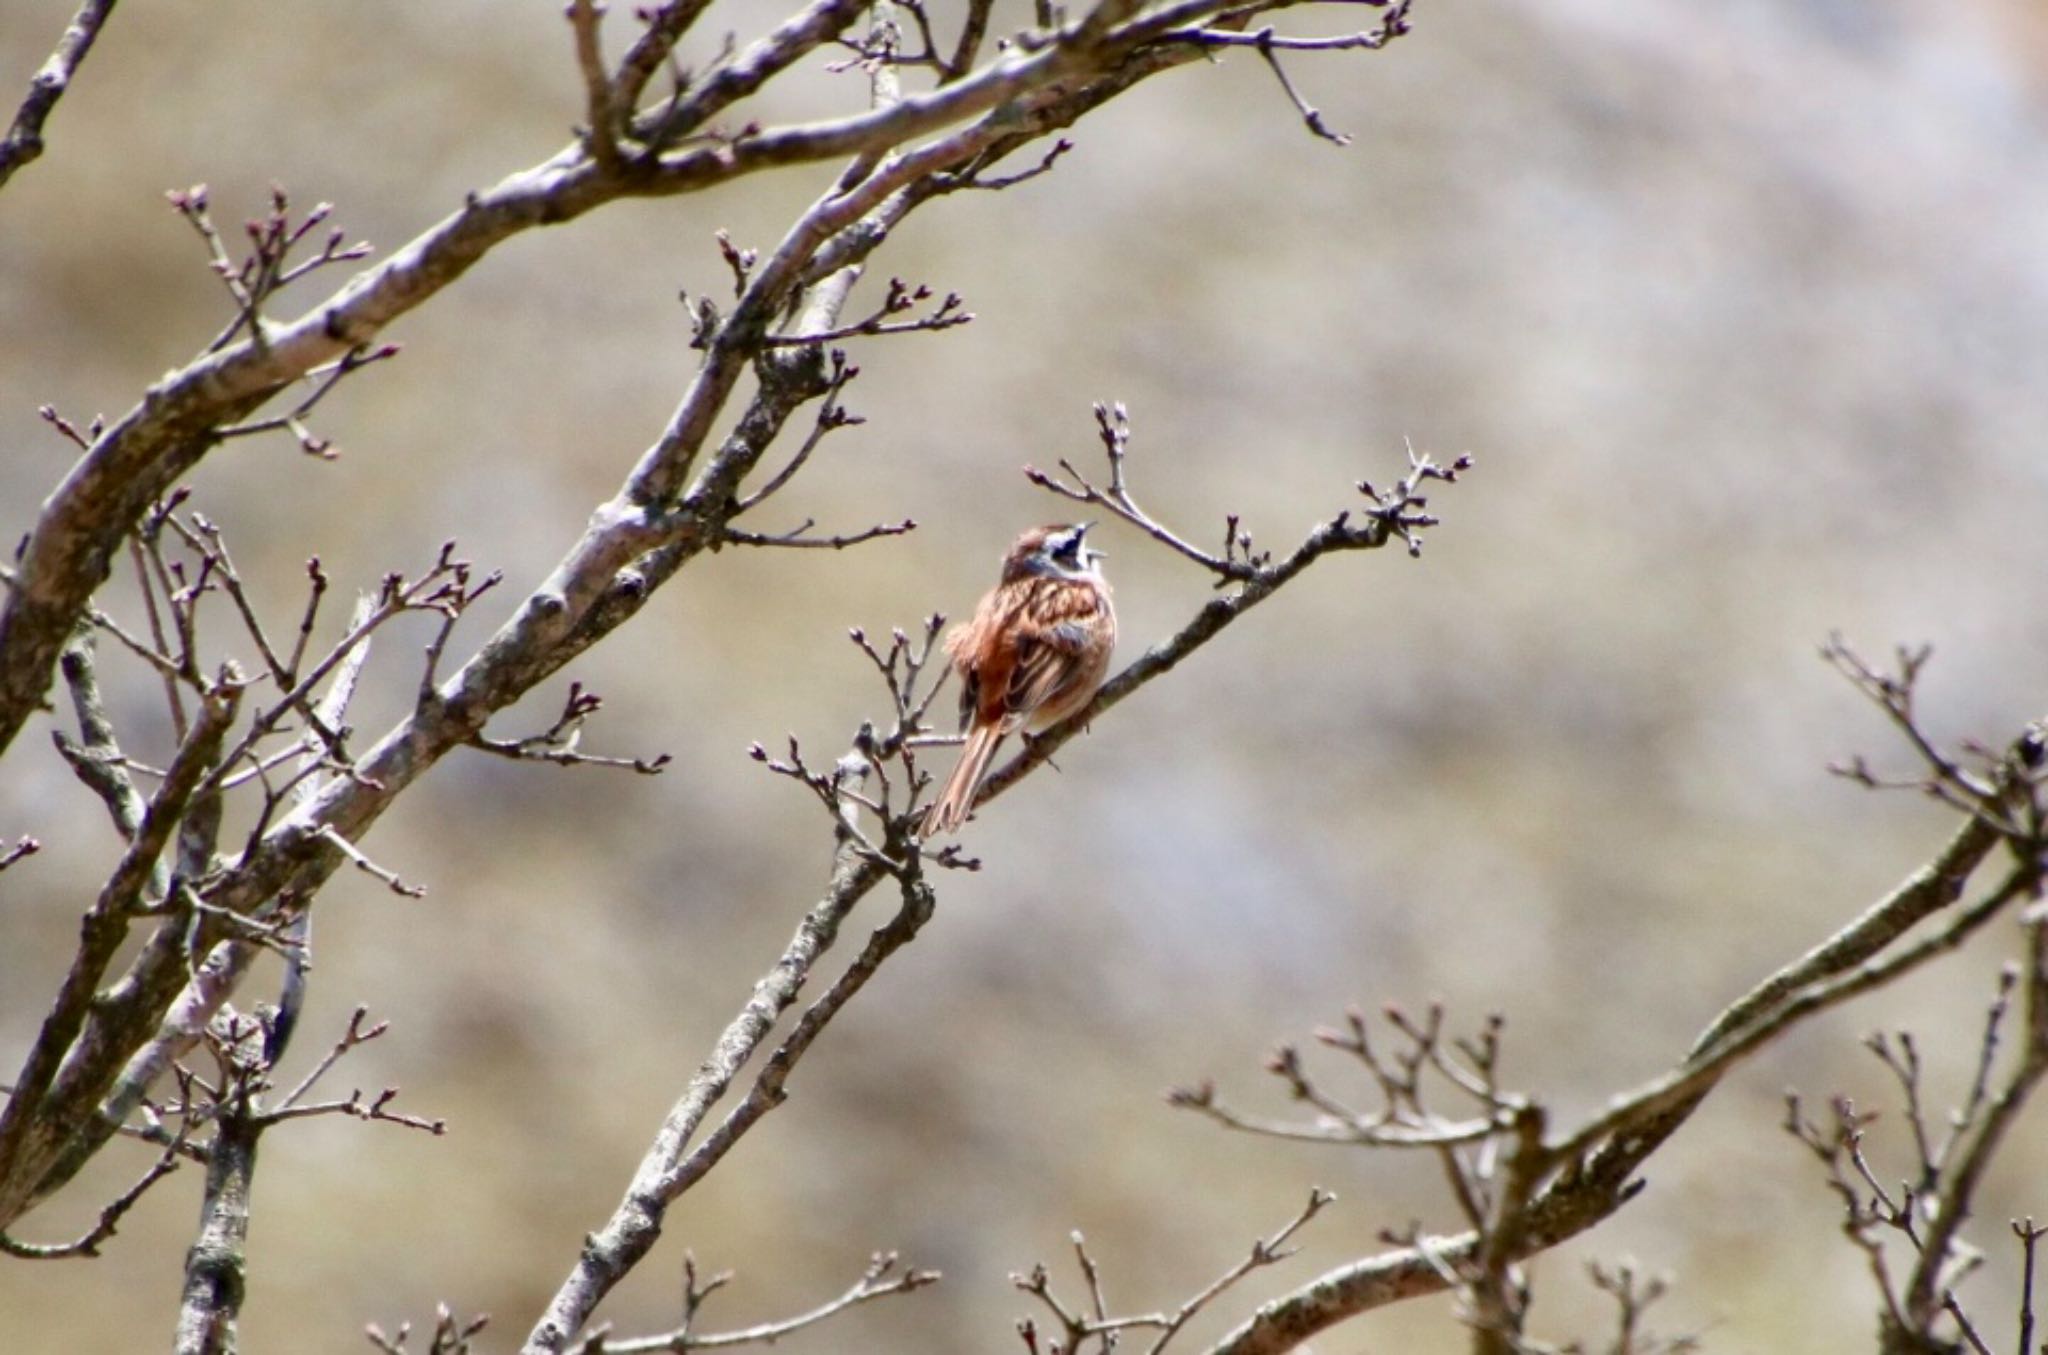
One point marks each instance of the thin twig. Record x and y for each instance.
(374, 1111)
(831, 415)
(796, 536)
(24, 846)
(876, 1282)
(2029, 1234)
(363, 863)
(88, 1243)
(1264, 1253)
(1310, 115)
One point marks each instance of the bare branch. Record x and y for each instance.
(973, 29)
(369, 867)
(975, 178)
(660, 520)
(24, 139)
(1590, 1173)
(69, 431)
(451, 1335)
(614, 1249)
(374, 1111)
(1392, 25)
(1077, 1326)
(356, 1034)
(767, 1091)
(557, 743)
(1495, 1300)
(602, 138)
(597, 587)
(666, 24)
(324, 380)
(831, 415)
(1397, 515)
(1265, 1253)
(1309, 114)
(900, 300)
(803, 32)
(98, 760)
(24, 1134)
(1840, 1152)
(23, 847)
(879, 1280)
(216, 1267)
(151, 577)
(1633, 1296)
(1113, 425)
(143, 453)
(796, 536)
(1404, 1119)
(2028, 1234)
(524, 750)
(103, 1228)
(1978, 1128)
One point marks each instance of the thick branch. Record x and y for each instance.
(632, 545)
(666, 1171)
(216, 1269)
(1595, 1165)
(136, 460)
(27, 1133)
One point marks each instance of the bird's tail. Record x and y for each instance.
(949, 811)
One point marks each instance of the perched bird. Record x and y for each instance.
(1035, 652)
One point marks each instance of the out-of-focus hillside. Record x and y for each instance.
(1743, 310)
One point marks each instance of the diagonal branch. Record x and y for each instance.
(666, 25)
(97, 760)
(671, 1166)
(1590, 1174)
(633, 1227)
(24, 139)
(24, 1134)
(142, 454)
(109, 1220)
(1310, 114)
(803, 32)
(667, 512)
(1393, 518)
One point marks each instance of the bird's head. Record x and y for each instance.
(1060, 551)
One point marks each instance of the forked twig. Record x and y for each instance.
(1077, 1326)
(880, 1280)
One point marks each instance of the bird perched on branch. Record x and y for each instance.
(1038, 647)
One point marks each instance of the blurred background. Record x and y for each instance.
(1742, 309)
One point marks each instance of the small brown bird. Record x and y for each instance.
(1035, 652)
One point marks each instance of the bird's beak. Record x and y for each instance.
(1084, 529)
